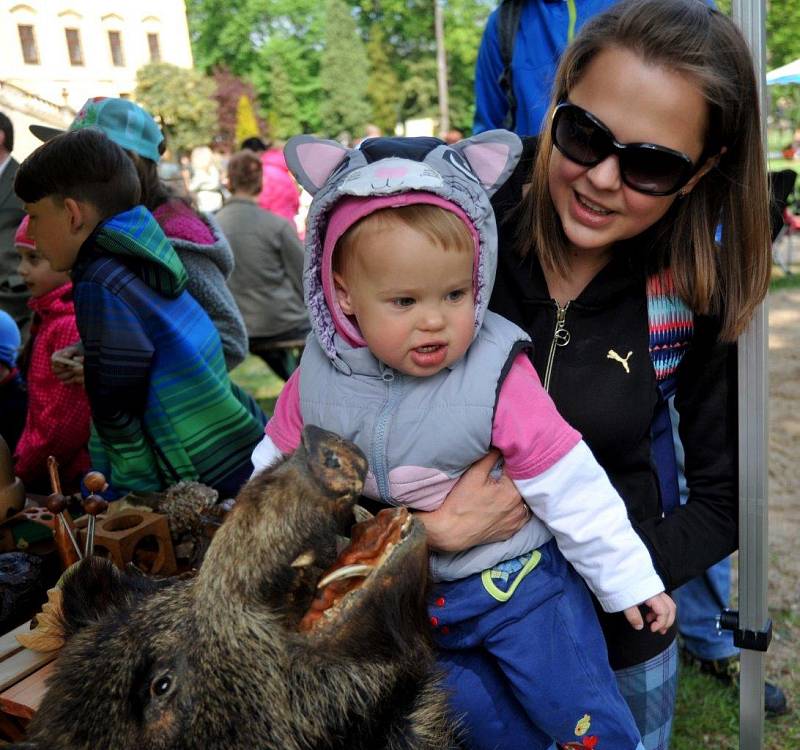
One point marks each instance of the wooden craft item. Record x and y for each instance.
(63, 534)
(117, 537)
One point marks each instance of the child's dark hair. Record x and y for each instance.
(84, 165)
(7, 128)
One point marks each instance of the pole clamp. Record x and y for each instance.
(752, 640)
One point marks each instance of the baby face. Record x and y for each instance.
(412, 298)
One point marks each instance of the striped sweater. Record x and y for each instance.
(163, 407)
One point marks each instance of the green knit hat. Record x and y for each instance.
(124, 122)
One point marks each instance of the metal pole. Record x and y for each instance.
(753, 425)
(441, 67)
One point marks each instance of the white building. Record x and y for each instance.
(55, 54)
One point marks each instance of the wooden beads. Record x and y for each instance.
(94, 505)
(95, 482)
(56, 503)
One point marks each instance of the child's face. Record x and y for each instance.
(36, 272)
(52, 227)
(412, 300)
(639, 102)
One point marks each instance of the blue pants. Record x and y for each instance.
(526, 661)
(698, 606)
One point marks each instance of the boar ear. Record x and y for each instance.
(91, 589)
(492, 155)
(312, 161)
(338, 465)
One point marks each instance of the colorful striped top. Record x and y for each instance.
(163, 407)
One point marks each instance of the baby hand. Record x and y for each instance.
(661, 614)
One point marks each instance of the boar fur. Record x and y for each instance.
(217, 662)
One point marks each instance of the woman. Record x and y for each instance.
(608, 234)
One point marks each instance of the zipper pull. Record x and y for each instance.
(561, 334)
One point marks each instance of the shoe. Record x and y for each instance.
(727, 670)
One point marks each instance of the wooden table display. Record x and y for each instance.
(22, 683)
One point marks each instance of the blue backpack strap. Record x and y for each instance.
(670, 325)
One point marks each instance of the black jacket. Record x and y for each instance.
(613, 409)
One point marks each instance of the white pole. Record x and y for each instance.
(753, 426)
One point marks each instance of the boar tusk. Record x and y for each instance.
(304, 560)
(348, 571)
(361, 513)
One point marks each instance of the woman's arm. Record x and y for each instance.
(480, 508)
(705, 530)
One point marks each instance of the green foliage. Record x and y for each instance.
(182, 100)
(344, 73)
(256, 39)
(383, 88)
(284, 112)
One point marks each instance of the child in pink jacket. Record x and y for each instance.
(57, 423)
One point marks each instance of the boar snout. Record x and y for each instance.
(337, 464)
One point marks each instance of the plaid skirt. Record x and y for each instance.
(650, 689)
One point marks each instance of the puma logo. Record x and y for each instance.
(624, 362)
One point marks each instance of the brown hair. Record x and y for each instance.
(442, 227)
(687, 36)
(245, 172)
(154, 192)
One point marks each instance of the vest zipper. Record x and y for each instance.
(381, 434)
(560, 338)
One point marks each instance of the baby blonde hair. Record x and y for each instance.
(442, 227)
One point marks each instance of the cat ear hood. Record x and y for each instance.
(348, 184)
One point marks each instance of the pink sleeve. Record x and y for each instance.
(286, 425)
(528, 430)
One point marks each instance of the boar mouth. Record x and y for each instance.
(376, 546)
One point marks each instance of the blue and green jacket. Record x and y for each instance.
(163, 407)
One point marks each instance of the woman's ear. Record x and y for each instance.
(343, 294)
(710, 163)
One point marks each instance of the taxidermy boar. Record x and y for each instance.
(259, 651)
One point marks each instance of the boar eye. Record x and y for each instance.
(161, 685)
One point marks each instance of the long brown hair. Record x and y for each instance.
(728, 279)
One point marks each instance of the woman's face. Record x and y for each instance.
(639, 103)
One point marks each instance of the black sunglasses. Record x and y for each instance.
(645, 167)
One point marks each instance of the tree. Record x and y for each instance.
(284, 111)
(182, 101)
(246, 125)
(344, 73)
(383, 87)
(229, 90)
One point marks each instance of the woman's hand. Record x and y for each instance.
(67, 364)
(479, 509)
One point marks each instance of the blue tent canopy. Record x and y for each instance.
(789, 73)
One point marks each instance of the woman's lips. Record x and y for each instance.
(589, 213)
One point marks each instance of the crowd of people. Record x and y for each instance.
(562, 301)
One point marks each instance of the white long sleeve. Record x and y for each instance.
(576, 501)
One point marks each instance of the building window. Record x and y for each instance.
(30, 54)
(115, 43)
(155, 49)
(74, 46)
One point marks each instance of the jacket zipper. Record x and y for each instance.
(560, 338)
(381, 435)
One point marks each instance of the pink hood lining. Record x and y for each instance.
(354, 208)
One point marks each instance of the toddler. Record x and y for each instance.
(406, 361)
(57, 423)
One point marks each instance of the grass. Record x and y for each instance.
(257, 379)
(707, 714)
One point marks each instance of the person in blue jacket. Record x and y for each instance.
(543, 30)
